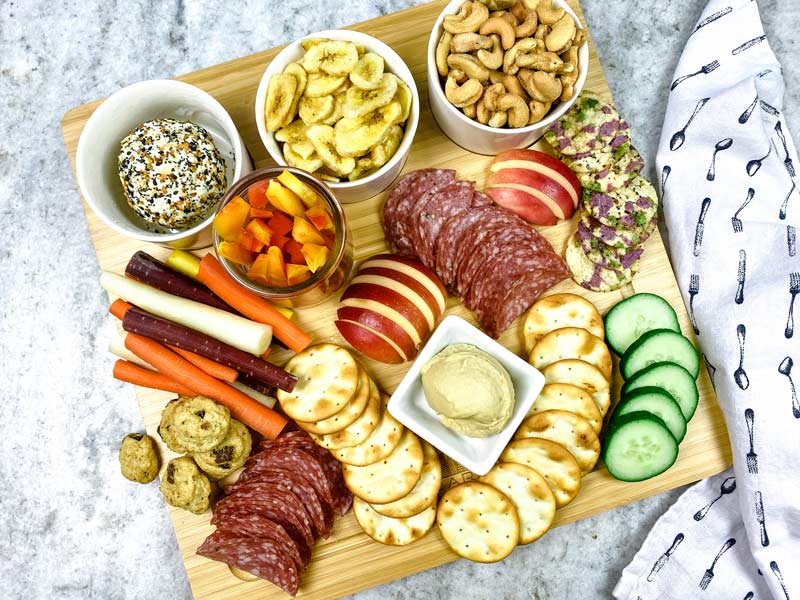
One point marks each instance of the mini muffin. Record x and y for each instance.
(138, 460)
(199, 424)
(165, 428)
(185, 486)
(229, 455)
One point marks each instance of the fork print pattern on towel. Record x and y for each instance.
(731, 160)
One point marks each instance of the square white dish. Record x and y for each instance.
(409, 406)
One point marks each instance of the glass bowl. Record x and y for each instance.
(329, 278)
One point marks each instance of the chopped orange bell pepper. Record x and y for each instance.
(235, 253)
(279, 241)
(249, 242)
(305, 233)
(257, 194)
(280, 224)
(259, 230)
(293, 250)
(303, 190)
(284, 199)
(231, 219)
(319, 217)
(316, 256)
(258, 271)
(296, 273)
(260, 213)
(276, 268)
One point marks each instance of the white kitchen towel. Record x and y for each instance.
(728, 184)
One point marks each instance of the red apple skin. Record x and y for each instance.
(381, 324)
(393, 300)
(538, 181)
(415, 264)
(523, 204)
(547, 161)
(407, 281)
(366, 342)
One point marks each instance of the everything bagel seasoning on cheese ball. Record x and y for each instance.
(172, 173)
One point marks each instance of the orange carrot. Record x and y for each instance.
(206, 364)
(250, 412)
(246, 302)
(119, 307)
(266, 354)
(127, 371)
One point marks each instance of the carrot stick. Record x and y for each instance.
(206, 364)
(250, 412)
(266, 354)
(127, 371)
(246, 302)
(119, 307)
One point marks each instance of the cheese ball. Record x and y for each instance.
(138, 460)
(171, 172)
(165, 428)
(199, 424)
(184, 486)
(229, 455)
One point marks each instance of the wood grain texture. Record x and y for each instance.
(350, 561)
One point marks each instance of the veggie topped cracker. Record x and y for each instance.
(630, 207)
(590, 125)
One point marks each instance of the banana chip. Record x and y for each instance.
(294, 132)
(359, 102)
(363, 165)
(331, 57)
(322, 137)
(304, 148)
(404, 97)
(296, 71)
(280, 99)
(311, 164)
(385, 150)
(310, 42)
(356, 136)
(320, 84)
(368, 71)
(316, 110)
(337, 111)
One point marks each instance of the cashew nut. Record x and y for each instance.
(512, 84)
(498, 119)
(493, 59)
(492, 94)
(531, 4)
(541, 31)
(568, 79)
(458, 75)
(442, 50)
(470, 110)
(486, 115)
(520, 11)
(579, 38)
(469, 42)
(560, 36)
(470, 17)
(548, 13)
(463, 95)
(518, 111)
(523, 46)
(508, 17)
(528, 25)
(501, 27)
(538, 110)
(545, 61)
(498, 5)
(470, 65)
(541, 86)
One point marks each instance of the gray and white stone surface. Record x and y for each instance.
(70, 525)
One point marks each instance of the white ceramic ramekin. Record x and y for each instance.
(482, 139)
(124, 111)
(366, 187)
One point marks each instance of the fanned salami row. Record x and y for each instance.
(489, 256)
(285, 498)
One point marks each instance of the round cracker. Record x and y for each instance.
(567, 429)
(571, 342)
(327, 378)
(552, 461)
(563, 396)
(360, 429)
(425, 491)
(394, 532)
(531, 495)
(580, 373)
(391, 478)
(379, 444)
(557, 311)
(478, 521)
(352, 410)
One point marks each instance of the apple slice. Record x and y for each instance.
(546, 190)
(409, 282)
(414, 269)
(381, 324)
(402, 289)
(542, 163)
(369, 342)
(523, 204)
(388, 299)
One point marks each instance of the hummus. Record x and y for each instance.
(470, 391)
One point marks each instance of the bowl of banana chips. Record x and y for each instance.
(343, 106)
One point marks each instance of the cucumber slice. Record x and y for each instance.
(639, 446)
(672, 378)
(657, 402)
(660, 345)
(630, 319)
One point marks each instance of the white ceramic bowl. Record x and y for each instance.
(409, 406)
(366, 187)
(482, 139)
(124, 111)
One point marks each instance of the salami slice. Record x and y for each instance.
(258, 526)
(342, 497)
(447, 247)
(522, 294)
(447, 202)
(263, 558)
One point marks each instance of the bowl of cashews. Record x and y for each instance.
(501, 71)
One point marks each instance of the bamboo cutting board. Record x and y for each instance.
(350, 561)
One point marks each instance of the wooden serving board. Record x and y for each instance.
(350, 561)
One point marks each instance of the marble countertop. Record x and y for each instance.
(70, 525)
